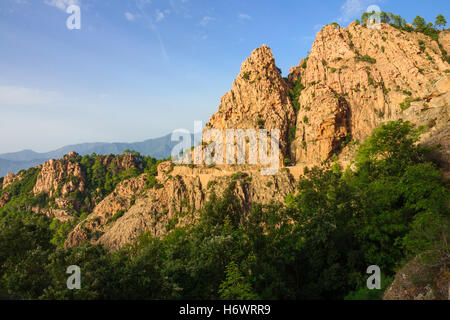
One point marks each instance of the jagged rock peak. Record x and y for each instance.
(261, 57)
(259, 98)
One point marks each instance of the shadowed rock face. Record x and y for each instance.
(4, 199)
(418, 281)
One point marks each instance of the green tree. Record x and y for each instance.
(391, 206)
(425, 193)
(98, 275)
(235, 286)
(365, 16)
(384, 17)
(441, 21)
(390, 149)
(24, 250)
(419, 22)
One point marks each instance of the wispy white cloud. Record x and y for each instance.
(244, 16)
(159, 15)
(142, 3)
(151, 21)
(129, 16)
(150, 17)
(62, 4)
(205, 21)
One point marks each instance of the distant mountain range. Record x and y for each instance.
(159, 148)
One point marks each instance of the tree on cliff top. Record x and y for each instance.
(419, 22)
(441, 21)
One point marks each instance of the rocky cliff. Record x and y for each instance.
(353, 80)
(60, 176)
(418, 281)
(259, 99)
(181, 191)
(356, 78)
(62, 185)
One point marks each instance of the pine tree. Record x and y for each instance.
(419, 22)
(235, 286)
(441, 21)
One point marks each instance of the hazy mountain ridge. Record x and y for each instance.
(159, 148)
(14, 166)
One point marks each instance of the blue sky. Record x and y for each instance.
(139, 69)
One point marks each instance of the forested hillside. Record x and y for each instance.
(361, 180)
(317, 244)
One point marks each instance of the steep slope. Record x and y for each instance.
(62, 189)
(356, 78)
(444, 41)
(419, 281)
(133, 209)
(258, 99)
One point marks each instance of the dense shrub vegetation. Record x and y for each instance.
(317, 245)
(295, 92)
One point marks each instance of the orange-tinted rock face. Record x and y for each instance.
(355, 79)
(4, 199)
(67, 176)
(11, 178)
(258, 99)
(444, 40)
(184, 192)
(60, 174)
(122, 162)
